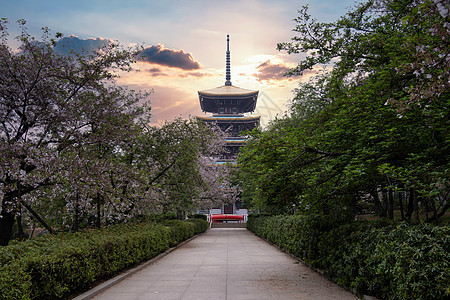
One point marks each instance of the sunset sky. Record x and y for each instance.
(185, 43)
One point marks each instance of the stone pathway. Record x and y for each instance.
(226, 263)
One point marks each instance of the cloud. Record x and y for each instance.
(154, 72)
(195, 74)
(73, 44)
(268, 71)
(169, 57)
(168, 103)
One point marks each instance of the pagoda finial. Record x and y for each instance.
(228, 69)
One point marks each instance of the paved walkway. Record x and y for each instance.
(226, 263)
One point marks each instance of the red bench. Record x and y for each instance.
(225, 218)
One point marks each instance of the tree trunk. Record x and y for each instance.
(38, 217)
(379, 207)
(437, 216)
(21, 233)
(385, 202)
(7, 218)
(410, 208)
(444, 210)
(390, 204)
(76, 221)
(400, 202)
(416, 206)
(99, 221)
(435, 213)
(6, 225)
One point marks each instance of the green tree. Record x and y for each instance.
(373, 127)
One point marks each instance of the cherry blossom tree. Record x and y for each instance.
(219, 187)
(59, 114)
(172, 160)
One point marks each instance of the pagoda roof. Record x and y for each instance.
(229, 118)
(227, 90)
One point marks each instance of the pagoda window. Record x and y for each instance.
(234, 110)
(221, 110)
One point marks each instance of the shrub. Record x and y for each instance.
(201, 225)
(179, 231)
(198, 216)
(54, 267)
(386, 260)
(182, 230)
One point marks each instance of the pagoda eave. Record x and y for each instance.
(230, 119)
(228, 91)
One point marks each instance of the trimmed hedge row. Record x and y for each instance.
(201, 225)
(54, 267)
(182, 230)
(198, 216)
(382, 259)
(179, 231)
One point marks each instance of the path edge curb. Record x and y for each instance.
(115, 280)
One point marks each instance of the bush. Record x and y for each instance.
(201, 225)
(54, 267)
(386, 260)
(198, 216)
(179, 231)
(182, 230)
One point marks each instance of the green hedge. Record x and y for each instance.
(179, 231)
(198, 216)
(389, 261)
(182, 230)
(54, 267)
(201, 225)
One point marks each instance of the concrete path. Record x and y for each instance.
(226, 263)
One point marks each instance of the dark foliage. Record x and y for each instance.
(383, 259)
(54, 267)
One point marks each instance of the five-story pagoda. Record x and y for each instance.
(228, 103)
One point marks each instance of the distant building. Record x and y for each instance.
(228, 103)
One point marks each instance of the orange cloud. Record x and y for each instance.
(268, 71)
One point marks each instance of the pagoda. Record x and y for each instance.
(228, 104)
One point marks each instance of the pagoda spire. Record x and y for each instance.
(228, 69)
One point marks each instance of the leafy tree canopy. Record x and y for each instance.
(370, 129)
(76, 149)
